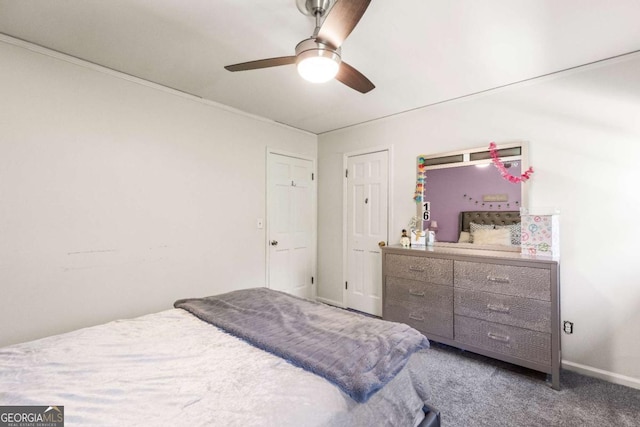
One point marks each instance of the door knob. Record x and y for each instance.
(274, 243)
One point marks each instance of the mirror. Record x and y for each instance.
(468, 180)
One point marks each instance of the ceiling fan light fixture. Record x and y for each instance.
(317, 62)
(318, 69)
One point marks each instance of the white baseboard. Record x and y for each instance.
(604, 375)
(330, 302)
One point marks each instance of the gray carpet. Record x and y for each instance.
(472, 390)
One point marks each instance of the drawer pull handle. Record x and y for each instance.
(412, 268)
(416, 293)
(497, 337)
(498, 308)
(498, 279)
(416, 317)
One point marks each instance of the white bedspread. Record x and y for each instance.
(172, 369)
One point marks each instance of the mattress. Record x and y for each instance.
(170, 368)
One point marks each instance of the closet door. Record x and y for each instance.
(290, 219)
(367, 213)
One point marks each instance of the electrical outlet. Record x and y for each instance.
(567, 327)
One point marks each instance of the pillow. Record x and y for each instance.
(473, 227)
(465, 237)
(514, 229)
(492, 237)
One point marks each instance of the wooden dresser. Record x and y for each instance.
(500, 304)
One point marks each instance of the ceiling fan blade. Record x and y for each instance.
(341, 20)
(354, 78)
(262, 63)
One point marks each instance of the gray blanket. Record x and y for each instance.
(357, 353)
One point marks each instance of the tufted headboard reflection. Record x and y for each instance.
(488, 217)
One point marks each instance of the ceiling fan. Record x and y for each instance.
(318, 57)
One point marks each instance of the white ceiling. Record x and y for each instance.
(416, 52)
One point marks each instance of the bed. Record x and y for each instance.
(175, 368)
(490, 230)
(500, 218)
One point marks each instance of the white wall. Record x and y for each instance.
(118, 197)
(584, 132)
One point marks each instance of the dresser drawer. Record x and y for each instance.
(508, 340)
(432, 270)
(528, 282)
(400, 289)
(509, 310)
(430, 319)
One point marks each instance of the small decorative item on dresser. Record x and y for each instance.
(431, 234)
(540, 232)
(418, 238)
(431, 237)
(405, 241)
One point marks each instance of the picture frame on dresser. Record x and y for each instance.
(503, 305)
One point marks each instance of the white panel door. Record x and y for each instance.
(290, 225)
(367, 213)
